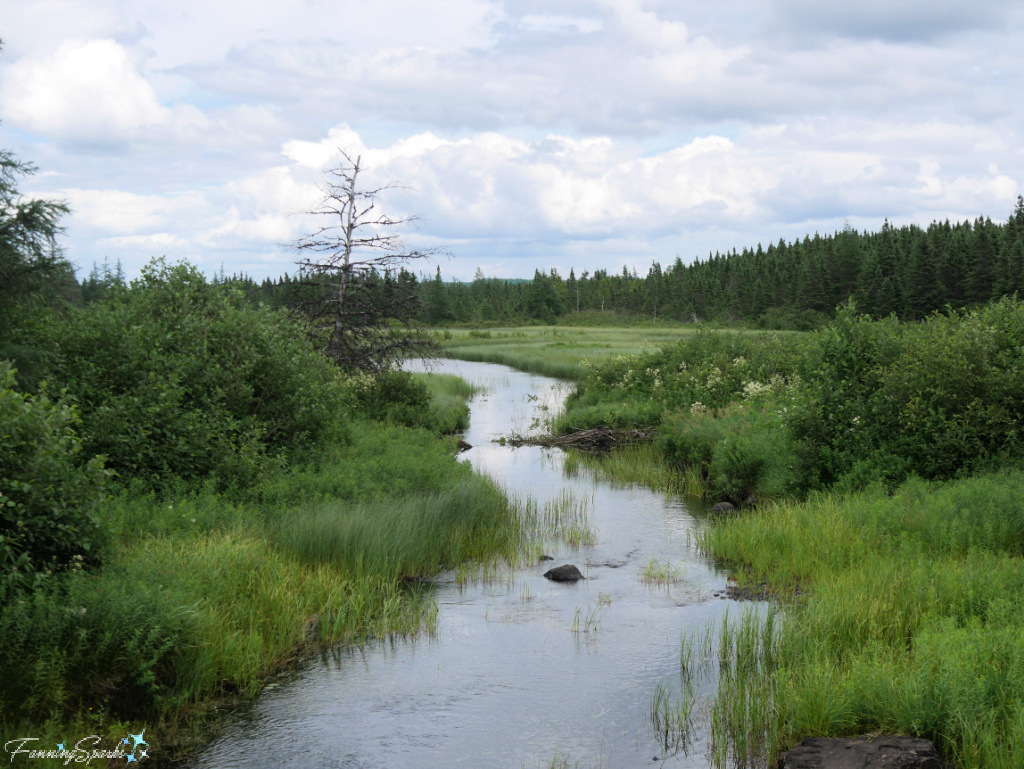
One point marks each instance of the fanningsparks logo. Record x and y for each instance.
(132, 748)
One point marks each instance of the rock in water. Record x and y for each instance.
(567, 573)
(866, 752)
(463, 446)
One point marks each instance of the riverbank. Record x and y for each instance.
(905, 612)
(207, 594)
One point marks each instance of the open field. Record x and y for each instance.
(558, 351)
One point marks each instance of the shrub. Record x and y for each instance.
(742, 451)
(176, 377)
(940, 398)
(48, 497)
(394, 396)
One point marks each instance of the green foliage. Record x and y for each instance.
(743, 451)
(89, 639)
(48, 493)
(884, 400)
(416, 536)
(34, 275)
(705, 370)
(176, 377)
(393, 396)
(912, 623)
(449, 407)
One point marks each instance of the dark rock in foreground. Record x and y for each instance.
(864, 752)
(567, 573)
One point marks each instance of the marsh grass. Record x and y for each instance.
(402, 539)
(563, 352)
(641, 464)
(911, 622)
(671, 715)
(661, 573)
(567, 518)
(589, 622)
(449, 396)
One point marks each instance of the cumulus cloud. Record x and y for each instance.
(88, 90)
(605, 130)
(913, 20)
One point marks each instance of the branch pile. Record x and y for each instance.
(596, 440)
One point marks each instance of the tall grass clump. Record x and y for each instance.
(640, 463)
(449, 401)
(401, 539)
(910, 621)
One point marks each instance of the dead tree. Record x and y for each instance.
(358, 300)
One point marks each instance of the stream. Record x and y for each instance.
(522, 672)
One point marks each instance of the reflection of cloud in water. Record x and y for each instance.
(506, 682)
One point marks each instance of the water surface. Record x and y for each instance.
(522, 671)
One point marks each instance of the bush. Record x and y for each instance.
(85, 639)
(743, 451)
(48, 497)
(176, 377)
(394, 396)
(937, 399)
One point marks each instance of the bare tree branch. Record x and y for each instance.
(359, 301)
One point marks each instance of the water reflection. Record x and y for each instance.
(521, 670)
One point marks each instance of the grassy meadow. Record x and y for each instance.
(565, 352)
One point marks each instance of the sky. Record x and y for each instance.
(524, 134)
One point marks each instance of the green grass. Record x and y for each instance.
(207, 594)
(559, 351)
(641, 463)
(662, 573)
(911, 621)
(449, 396)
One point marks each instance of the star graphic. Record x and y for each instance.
(60, 747)
(138, 739)
(143, 754)
(131, 758)
(124, 741)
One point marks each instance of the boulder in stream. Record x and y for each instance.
(566, 573)
(864, 752)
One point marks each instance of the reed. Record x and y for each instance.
(910, 622)
(642, 464)
(662, 573)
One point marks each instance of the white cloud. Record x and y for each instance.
(128, 212)
(565, 129)
(90, 91)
